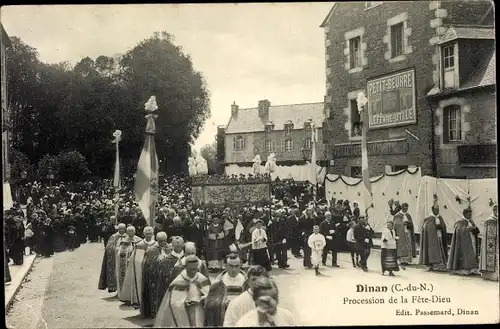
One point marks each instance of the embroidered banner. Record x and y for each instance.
(231, 194)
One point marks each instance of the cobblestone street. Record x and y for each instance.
(61, 292)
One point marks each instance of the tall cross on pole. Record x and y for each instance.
(116, 179)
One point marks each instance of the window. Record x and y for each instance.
(397, 39)
(269, 128)
(371, 4)
(288, 145)
(270, 146)
(355, 119)
(356, 172)
(449, 66)
(239, 143)
(355, 52)
(452, 121)
(449, 56)
(288, 129)
(307, 143)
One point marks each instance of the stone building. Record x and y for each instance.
(281, 129)
(400, 55)
(5, 42)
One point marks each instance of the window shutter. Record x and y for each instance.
(446, 124)
(291, 145)
(234, 143)
(282, 145)
(274, 146)
(245, 142)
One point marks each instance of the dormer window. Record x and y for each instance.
(288, 128)
(269, 127)
(449, 63)
(308, 125)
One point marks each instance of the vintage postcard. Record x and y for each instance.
(249, 164)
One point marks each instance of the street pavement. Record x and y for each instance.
(61, 292)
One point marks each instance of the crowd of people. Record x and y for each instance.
(166, 269)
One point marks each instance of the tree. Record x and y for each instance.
(19, 163)
(72, 166)
(57, 108)
(47, 164)
(209, 153)
(156, 66)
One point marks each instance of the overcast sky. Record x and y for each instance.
(247, 52)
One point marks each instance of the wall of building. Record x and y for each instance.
(478, 127)
(256, 144)
(419, 56)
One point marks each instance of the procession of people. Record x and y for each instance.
(188, 268)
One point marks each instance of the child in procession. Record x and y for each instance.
(389, 254)
(316, 242)
(351, 242)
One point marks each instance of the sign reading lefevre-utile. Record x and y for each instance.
(391, 100)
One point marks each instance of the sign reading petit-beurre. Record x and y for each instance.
(391, 100)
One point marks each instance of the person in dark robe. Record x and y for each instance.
(363, 234)
(46, 234)
(227, 286)
(306, 223)
(433, 242)
(58, 242)
(293, 237)
(150, 275)
(195, 232)
(107, 230)
(126, 218)
(6, 272)
(107, 278)
(81, 230)
(215, 245)
(281, 234)
(71, 237)
(177, 228)
(488, 263)
(463, 259)
(16, 248)
(182, 304)
(91, 224)
(329, 231)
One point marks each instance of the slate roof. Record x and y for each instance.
(455, 32)
(248, 120)
(483, 74)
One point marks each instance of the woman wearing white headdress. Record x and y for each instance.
(488, 260)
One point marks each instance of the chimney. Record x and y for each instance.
(234, 109)
(264, 108)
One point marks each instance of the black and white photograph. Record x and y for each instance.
(249, 164)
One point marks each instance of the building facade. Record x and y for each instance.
(396, 53)
(284, 130)
(4, 43)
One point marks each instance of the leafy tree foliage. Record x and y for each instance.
(58, 108)
(209, 153)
